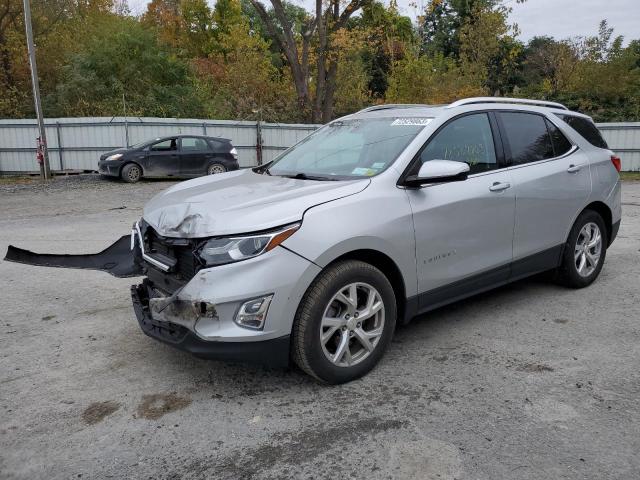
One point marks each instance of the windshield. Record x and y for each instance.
(349, 148)
(143, 144)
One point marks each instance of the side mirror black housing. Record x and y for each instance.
(438, 171)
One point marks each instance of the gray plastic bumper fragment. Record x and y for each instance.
(118, 259)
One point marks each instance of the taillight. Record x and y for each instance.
(616, 162)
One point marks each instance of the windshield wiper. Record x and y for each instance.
(304, 176)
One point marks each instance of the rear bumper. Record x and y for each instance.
(614, 231)
(272, 352)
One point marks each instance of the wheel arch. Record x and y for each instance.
(219, 161)
(388, 267)
(604, 211)
(129, 162)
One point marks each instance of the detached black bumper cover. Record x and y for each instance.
(117, 259)
(271, 353)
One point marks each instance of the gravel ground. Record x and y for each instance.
(530, 381)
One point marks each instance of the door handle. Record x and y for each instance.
(499, 186)
(574, 168)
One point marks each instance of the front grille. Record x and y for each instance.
(178, 249)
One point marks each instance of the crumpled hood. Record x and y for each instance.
(239, 202)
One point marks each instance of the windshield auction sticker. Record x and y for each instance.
(411, 121)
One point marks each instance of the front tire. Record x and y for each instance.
(131, 173)
(584, 253)
(344, 322)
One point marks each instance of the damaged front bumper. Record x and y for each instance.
(119, 259)
(273, 352)
(196, 309)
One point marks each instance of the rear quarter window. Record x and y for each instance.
(560, 143)
(219, 146)
(586, 129)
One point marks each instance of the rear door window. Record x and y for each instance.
(527, 136)
(560, 143)
(467, 139)
(586, 129)
(193, 144)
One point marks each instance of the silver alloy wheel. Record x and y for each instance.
(352, 324)
(588, 249)
(216, 168)
(134, 174)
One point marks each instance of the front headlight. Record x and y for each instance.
(114, 157)
(221, 250)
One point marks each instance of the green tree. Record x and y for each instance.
(122, 68)
(388, 34)
(430, 79)
(488, 48)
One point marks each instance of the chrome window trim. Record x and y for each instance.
(571, 151)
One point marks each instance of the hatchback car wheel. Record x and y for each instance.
(344, 322)
(131, 173)
(216, 168)
(584, 251)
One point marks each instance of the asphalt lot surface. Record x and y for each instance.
(531, 381)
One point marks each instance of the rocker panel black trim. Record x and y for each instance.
(467, 287)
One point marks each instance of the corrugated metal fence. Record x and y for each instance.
(76, 143)
(624, 139)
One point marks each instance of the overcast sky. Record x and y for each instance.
(556, 18)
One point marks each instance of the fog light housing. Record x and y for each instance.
(253, 313)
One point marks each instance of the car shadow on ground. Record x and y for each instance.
(234, 380)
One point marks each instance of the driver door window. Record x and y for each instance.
(466, 139)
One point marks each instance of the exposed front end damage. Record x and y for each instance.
(183, 303)
(165, 328)
(219, 281)
(119, 259)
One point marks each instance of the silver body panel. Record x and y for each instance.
(436, 235)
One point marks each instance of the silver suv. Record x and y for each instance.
(373, 219)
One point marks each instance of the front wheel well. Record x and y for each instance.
(388, 267)
(129, 162)
(605, 212)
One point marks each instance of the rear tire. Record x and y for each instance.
(131, 173)
(216, 168)
(584, 252)
(344, 322)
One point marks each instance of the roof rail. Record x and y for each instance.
(521, 101)
(393, 105)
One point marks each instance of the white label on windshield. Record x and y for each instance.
(411, 121)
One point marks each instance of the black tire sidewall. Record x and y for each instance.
(215, 163)
(338, 278)
(125, 172)
(569, 270)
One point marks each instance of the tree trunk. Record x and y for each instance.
(287, 43)
(329, 91)
(327, 22)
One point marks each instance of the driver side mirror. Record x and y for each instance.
(438, 171)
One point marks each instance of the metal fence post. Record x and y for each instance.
(259, 142)
(59, 145)
(126, 132)
(204, 128)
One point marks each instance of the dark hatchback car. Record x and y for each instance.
(175, 156)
